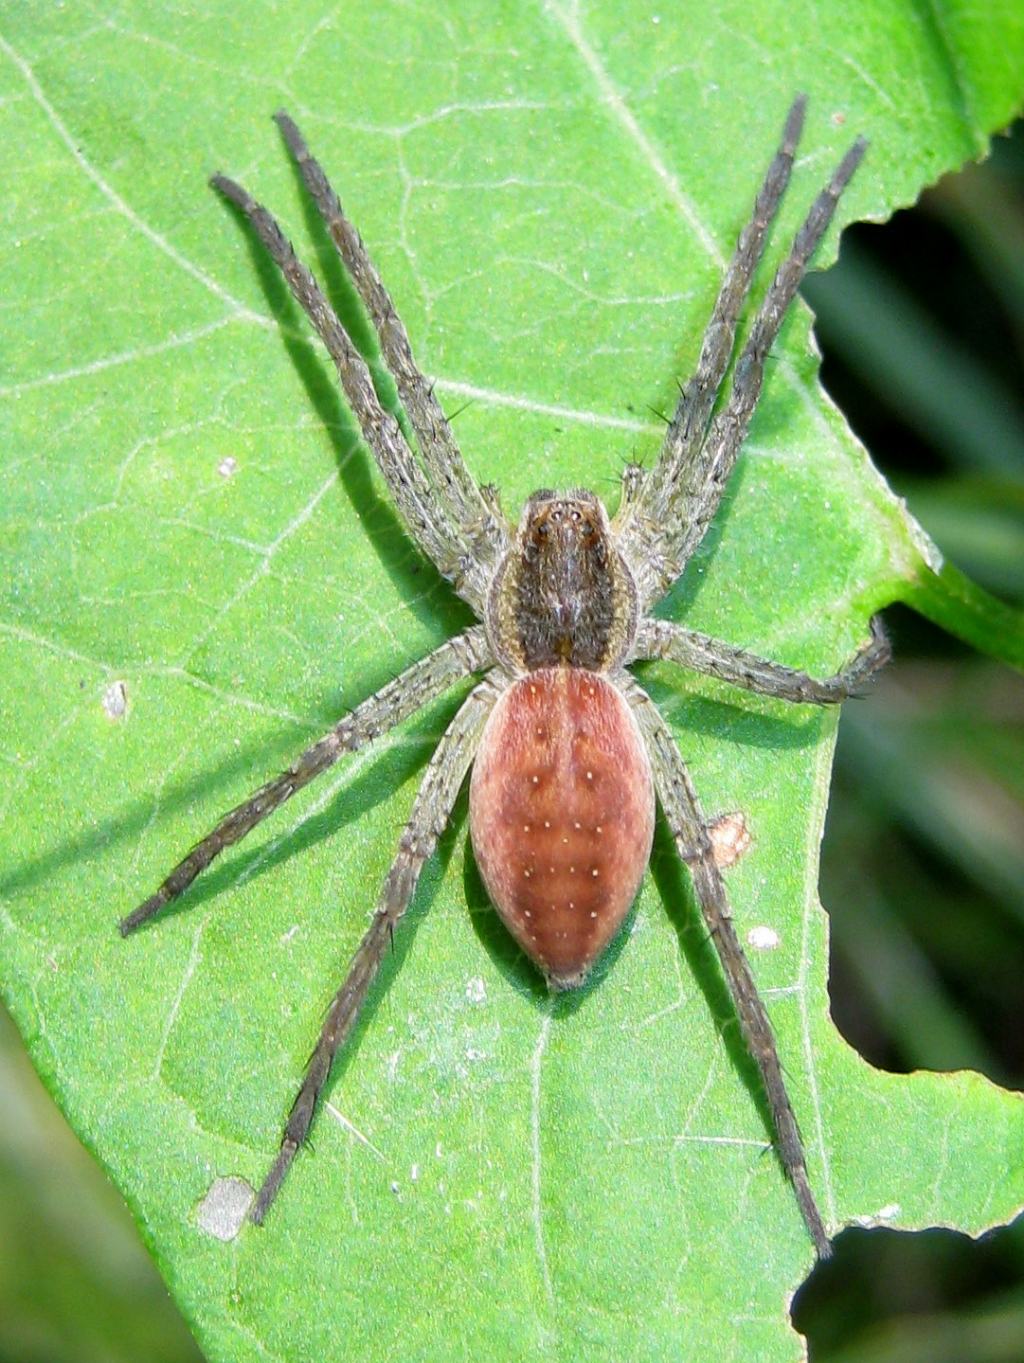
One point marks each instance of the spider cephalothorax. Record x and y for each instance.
(567, 751)
(562, 593)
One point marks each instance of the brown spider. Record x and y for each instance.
(567, 750)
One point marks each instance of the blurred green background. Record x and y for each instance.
(922, 326)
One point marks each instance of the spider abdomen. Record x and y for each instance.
(561, 812)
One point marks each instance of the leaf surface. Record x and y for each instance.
(193, 535)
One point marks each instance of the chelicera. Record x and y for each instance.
(567, 752)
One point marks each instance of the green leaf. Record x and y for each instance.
(201, 571)
(965, 609)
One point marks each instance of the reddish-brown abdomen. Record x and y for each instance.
(561, 810)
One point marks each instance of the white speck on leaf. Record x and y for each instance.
(886, 1213)
(115, 700)
(222, 1211)
(763, 938)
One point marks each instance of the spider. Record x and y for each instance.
(567, 751)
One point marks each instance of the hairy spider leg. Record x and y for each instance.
(404, 475)
(729, 427)
(688, 827)
(397, 700)
(430, 813)
(467, 512)
(660, 488)
(715, 658)
(662, 525)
